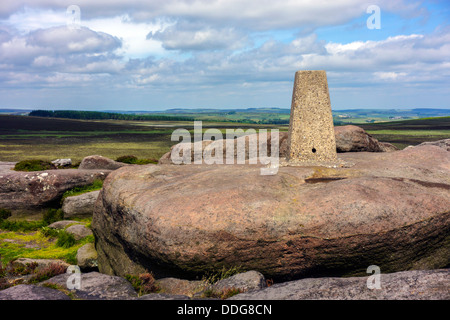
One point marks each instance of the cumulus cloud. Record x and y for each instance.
(238, 48)
(73, 40)
(48, 54)
(251, 14)
(192, 36)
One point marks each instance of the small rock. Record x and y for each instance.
(81, 205)
(62, 162)
(163, 296)
(41, 263)
(99, 162)
(174, 286)
(98, 286)
(87, 256)
(79, 231)
(246, 281)
(62, 224)
(32, 292)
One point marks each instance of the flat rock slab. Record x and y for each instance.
(31, 192)
(40, 263)
(62, 224)
(407, 285)
(389, 209)
(97, 286)
(32, 292)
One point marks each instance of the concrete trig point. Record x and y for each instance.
(311, 132)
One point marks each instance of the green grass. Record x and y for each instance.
(438, 133)
(38, 244)
(96, 185)
(23, 138)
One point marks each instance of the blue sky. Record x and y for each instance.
(161, 54)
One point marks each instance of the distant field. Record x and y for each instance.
(410, 132)
(23, 137)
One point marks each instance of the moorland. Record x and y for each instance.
(28, 137)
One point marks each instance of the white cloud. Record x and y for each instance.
(191, 36)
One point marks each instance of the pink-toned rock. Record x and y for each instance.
(32, 192)
(98, 162)
(351, 138)
(348, 139)
(389, 209)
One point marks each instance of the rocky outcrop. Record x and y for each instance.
(348, 139)
(100, 163)
(80, 206)
(408, 285)
(32, 192)
(390, 209)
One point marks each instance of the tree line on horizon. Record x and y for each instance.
(99, 115)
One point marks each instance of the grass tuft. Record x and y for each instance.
(130, 159)
(33, 165)
(143, 283)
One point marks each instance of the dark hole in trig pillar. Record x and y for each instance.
(313, 150)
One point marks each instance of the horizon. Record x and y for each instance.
(178, 54)
(216, 110)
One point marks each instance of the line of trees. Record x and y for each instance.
(97, 115)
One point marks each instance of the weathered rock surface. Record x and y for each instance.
(390, 209)
(100, 163)
(40, 263)
(62, 162)
(444, 144)
(246, 281)
(349, 138)
(79, 231)
(97, 286)
(163, 296)
(81, 205)
(407, 285)
(32, 292)
(174, 286)
(87, 257)
(62, 224)
(32, 192)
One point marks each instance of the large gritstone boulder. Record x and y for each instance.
(390, 209)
